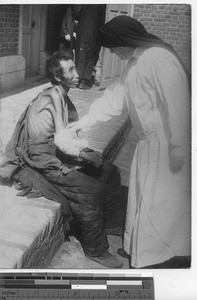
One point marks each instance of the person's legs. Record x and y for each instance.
(85, 196)
(91, 60)
(80, 58)
(92, 57)
(86, 57)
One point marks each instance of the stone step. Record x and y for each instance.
(31, 230)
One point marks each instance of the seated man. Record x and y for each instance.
(88, 189)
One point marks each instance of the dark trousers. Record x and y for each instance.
(86, 57)
(95, 202)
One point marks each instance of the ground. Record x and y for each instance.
(71, 256)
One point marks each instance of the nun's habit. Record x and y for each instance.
(156, 89)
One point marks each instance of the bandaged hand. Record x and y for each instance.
(82, 124)
(69, 142)
(176, 163)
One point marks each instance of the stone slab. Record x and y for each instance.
(11, 80)
(26, 225)
(12, 63)
(30, 229)
(12, 71)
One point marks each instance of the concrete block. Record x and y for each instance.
(12, 63)
(31, 230)
(11, 80)
(12, 72)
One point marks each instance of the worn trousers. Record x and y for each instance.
(95, 202)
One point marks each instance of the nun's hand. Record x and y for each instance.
(175, 163)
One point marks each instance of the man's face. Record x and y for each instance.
(70, 75)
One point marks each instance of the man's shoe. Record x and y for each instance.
(107, 260)
(123, 253)
(73, 86)
(84, 86)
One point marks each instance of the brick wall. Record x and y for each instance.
(170, 22)
(9, 29)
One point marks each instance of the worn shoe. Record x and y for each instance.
(73, 86)
(84, 86)
(107, 260)
(123, 253)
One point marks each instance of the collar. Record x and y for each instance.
(137, 52)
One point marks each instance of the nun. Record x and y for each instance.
(155, 86)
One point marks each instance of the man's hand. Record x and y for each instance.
(175, 163)
(91, 156)
(66, 170)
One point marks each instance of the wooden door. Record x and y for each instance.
(112, 65)
(31, 20)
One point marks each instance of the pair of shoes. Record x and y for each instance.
(84, 86)
(73, 86)
(96, 83)
(118, 231)
(123, 253)
(107, 260)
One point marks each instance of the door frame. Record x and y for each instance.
(41, 37)
(131, 10)
(105, 52)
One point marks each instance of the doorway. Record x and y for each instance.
(31, 30)
(112, 65)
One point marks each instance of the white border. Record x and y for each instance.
(170, 284)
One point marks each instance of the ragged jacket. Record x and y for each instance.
(17, 157)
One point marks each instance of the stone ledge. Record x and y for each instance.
(12, 63)
(12, 71)
(31, 230)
